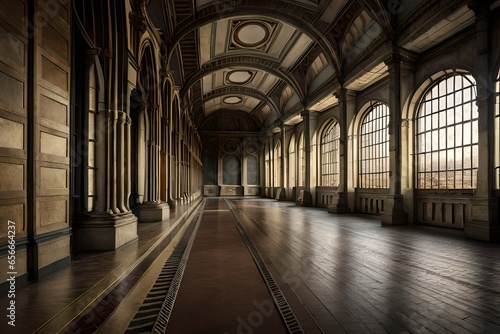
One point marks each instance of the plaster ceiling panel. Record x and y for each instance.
(358, 31)
(331, 11)
(218, 79)
(212, 105)
(207, 83)
(283, 35)
(325, 103)
(369, 77)
(221, 37)
(250, 103)
(443, 29)
(326, 74)
(265, 82)
(294, 120)
(205, 40)
(297, 50)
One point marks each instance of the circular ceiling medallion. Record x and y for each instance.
(232, 99)
(251, 34)
(239, 77)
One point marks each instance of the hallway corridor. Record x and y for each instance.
(344, 271)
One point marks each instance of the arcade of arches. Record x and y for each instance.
(117, 113)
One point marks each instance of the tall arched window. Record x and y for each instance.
(277, 164)
(302, 161)
(291, 163)
(447, 134)
(267, 168)
(374, 148)
(497, 132)
(330, 155)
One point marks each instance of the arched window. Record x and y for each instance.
(267, 166)
(231, 170)
(277, 164)
(291, 162)
(374, 148)
(447, 135)
(330, 155)
(497, 132)
(302, 161)
(252, 170)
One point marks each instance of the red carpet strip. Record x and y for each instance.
(222, 290)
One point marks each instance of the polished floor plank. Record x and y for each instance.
(380, 280)
(348, 272)
(38, 302)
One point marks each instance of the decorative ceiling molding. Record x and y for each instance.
(238, 77)
(243, 62)
(245, 91)
(209, 15)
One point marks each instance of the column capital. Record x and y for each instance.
(137, 16)
(479, 6)
(392, 59)
(400, 56)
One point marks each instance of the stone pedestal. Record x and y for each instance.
(152, 212)
(482, 225)
(394, 213)
(281, 194)
(103, 232)
(305, 198)
(211, 191)
(339, 204)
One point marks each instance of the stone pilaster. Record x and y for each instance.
(483, 223)
(110, 224)
(394, 212)
(281, 193)
(340, 201)
(307, 195)
(152, 209)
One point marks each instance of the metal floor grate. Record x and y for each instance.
(168, 280)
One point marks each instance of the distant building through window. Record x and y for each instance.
(330, 155)
(374, 148)
(446, 144)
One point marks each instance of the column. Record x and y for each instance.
(482, 223)
(152, 209)
(111, 224)
(281, 194)
(340, 202)
(394, 212)
(307, 195)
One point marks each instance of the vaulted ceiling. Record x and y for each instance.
(264, 61)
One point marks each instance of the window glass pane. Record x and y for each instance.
(374, 147)
(450, 148)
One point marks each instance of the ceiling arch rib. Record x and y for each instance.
(242, 62)
(210, 14)
(245, 91)
(250, 101)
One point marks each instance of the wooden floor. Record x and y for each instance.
(348, 272)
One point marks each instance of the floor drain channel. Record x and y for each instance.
(286, 312)
(160, 325)
(168, 279)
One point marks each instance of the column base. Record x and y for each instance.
(281, 194)
(394, 213)
(482, 224)
(103, 232)
(339, 204)
(305, 198)
(152, 212)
